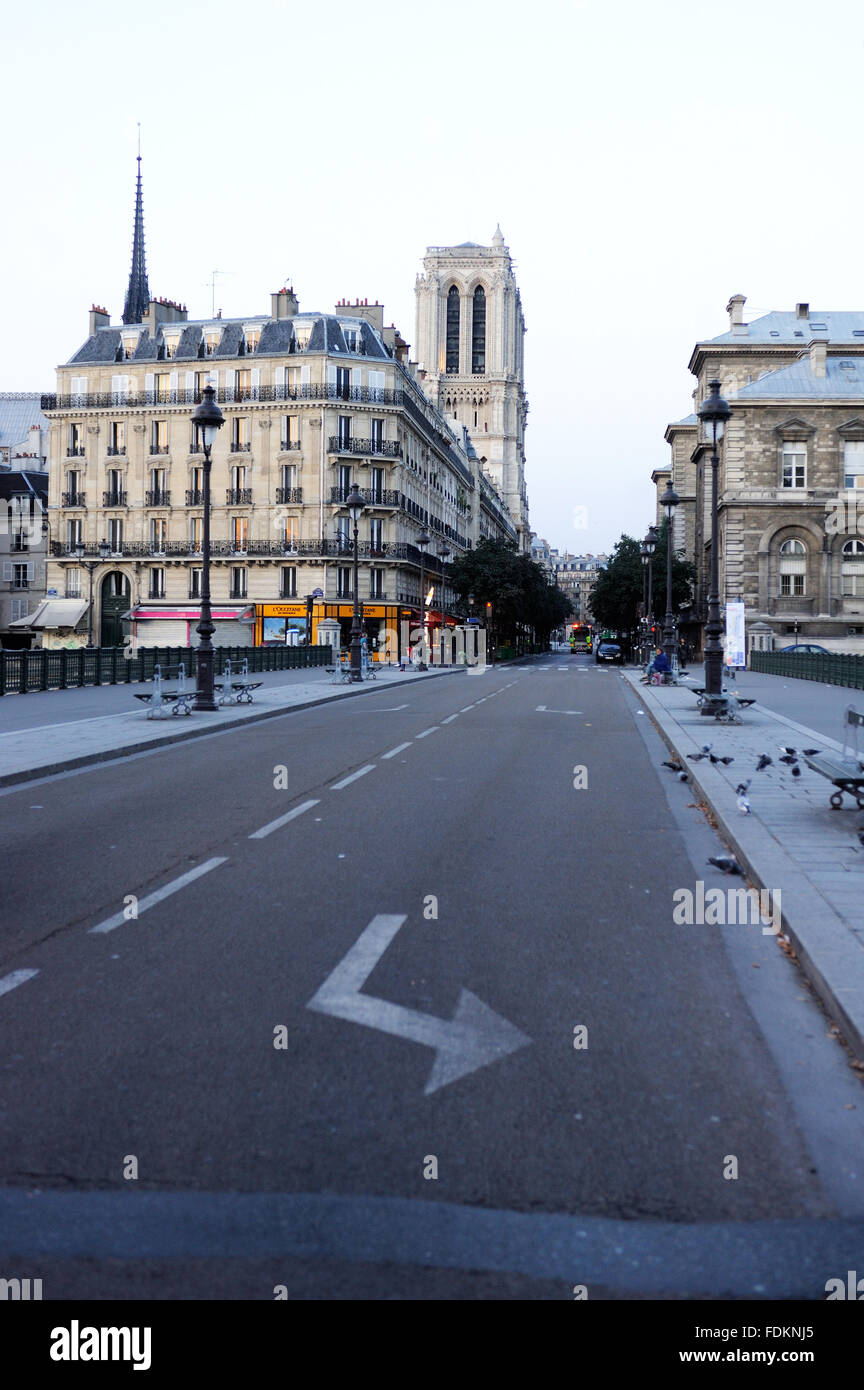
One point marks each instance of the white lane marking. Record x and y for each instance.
(16, 978)
(427, 732)
(563, 668)
(473, 1038)
(541, 709)
(386, 709)
(346, 781)
(465, 709)
(160, 894)
(400, 748)
(282, 820)
(450, 718)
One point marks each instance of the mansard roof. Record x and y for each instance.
(278, 339)
(784, 327)
(843, 380)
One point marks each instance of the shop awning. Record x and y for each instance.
(54, 612)
(191, 612)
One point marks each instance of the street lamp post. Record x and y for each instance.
(649, 545)
(714, 411)
(443, 556)
(669, 501)
(355, 502)
(90, 566)
(422, 541)
(209, 419)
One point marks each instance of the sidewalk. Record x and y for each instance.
(792, 841)
(45, 748)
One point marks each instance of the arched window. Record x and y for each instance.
(478, 331)
(452, 329)
(853, 568)
(793, 569)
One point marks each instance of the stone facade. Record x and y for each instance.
(470, 335)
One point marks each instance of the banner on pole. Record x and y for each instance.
(736, 649)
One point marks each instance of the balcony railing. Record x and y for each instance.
(76, 451)
(116, 450)
(289, 494)
(194, 497)
(158, 448)
(391, 551)
(115, 498)
(287, 445)
(238, 448)
(373, 497)
(157, 497)
(384, 448)
(238, 496)
(226, 395)
(73, 499)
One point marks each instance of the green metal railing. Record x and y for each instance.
(21, 672)
(835, 668)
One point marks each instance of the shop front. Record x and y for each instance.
(173, 625)
(296, 624)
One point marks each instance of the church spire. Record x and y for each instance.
(138, 293)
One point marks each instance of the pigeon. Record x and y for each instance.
(743, 802)
(791, 759)
(726, 863)
(673, 767)
(789, 752)
(716, 759)
(810, 752)
(682, 777)
(764, 761)
(861, 833)
(695, 757)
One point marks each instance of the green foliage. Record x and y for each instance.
(617, 598)
(516, 586)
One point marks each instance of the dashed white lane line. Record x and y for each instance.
(346, 781)
(16, 978)
(426, 732)
(450, 718)
(400, 748)
(465, 709)
(160, 894)
(282, 820)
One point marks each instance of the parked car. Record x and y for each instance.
(610, 651)
(807, 647)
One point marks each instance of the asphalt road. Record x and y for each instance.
(453, 908)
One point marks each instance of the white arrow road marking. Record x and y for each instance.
(17, 978)
(473, 1038)
(386, 709)
(541, 709)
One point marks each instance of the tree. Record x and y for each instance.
(617, 598)
(522, 598)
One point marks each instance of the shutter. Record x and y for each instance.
(116, 386)
(279, 378)
(7, 569)
(213, 378)
(256, 380)
(355, 376)
(174, 383)
(148, 382)
(30, 569)
(230, 381)
(331, 374)
(190, 382)
(305, 375)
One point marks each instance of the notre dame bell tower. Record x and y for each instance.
(469, 341)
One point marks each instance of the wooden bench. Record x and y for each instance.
(845, 770)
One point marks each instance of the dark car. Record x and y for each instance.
(807, 647)
(610, 651)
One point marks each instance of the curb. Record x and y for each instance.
(106, 755)
(826, 950)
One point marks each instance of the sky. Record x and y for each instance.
(645, 162)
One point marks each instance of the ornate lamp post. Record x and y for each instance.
(422, 541)
(90, 566)
(209, 419)
(669, 501)
(715, 412)
(355, 502)
(443, 556)
(649, 545)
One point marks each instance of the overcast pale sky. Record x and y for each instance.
(645, 162)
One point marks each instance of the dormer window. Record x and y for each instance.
(350, 336)
(302, 334)
(130, 342)
(253, 337)
(211, 342)
(172, 344)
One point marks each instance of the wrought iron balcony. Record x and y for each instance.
(76, 451)
(114, 498)
(238, 448)
(116, 451)
(373, 496)
(158, 448)
(289, 494)
(157, 497)
(238, 496)
(391, 551)
(287, 445)
(194, 497)
(73, 499)
(384, 448)
(232, 395)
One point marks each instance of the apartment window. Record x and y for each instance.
(793, 569)
(240, 434)
(74, 533)
(853, 569)
(129, 346)
(343, 383)
(73, 583)
(478, 331)
(289, 477)
(238, 583)
(172, 343)
(73, 488)
(75, 446)
(377, 479)
(343, 532)
(794, 463)
(376, 534)
(159, 437)
(157, 487)
(287, 531)
(196, 532)
(161, 386)
(238, 477)
(115, 496)
(253, 337)
(452, 351)
(853, 463)
(196, 443)
(344, 480)
(289, 582)
(117, 436)
(294, 381)
(158, 535)
(290, 431)
(211, 342)
(376, 584)
(157, 583)
(195, 582)
(376, 428)
(239, 534)
(195, 492)
(20, 608)
(115, 535)
(343, 582)
(21, 539)
(302, 332)
(19, 574)
(344, 431)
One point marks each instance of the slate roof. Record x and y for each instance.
(18, 411)
(24, 482)
(783, 327)
(843, 380)
(277, 337)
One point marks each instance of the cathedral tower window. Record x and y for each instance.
(452, 329)
(478, 331)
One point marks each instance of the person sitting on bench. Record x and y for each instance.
(660, 665)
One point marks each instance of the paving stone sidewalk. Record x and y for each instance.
(61, 746)
(792, 840)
